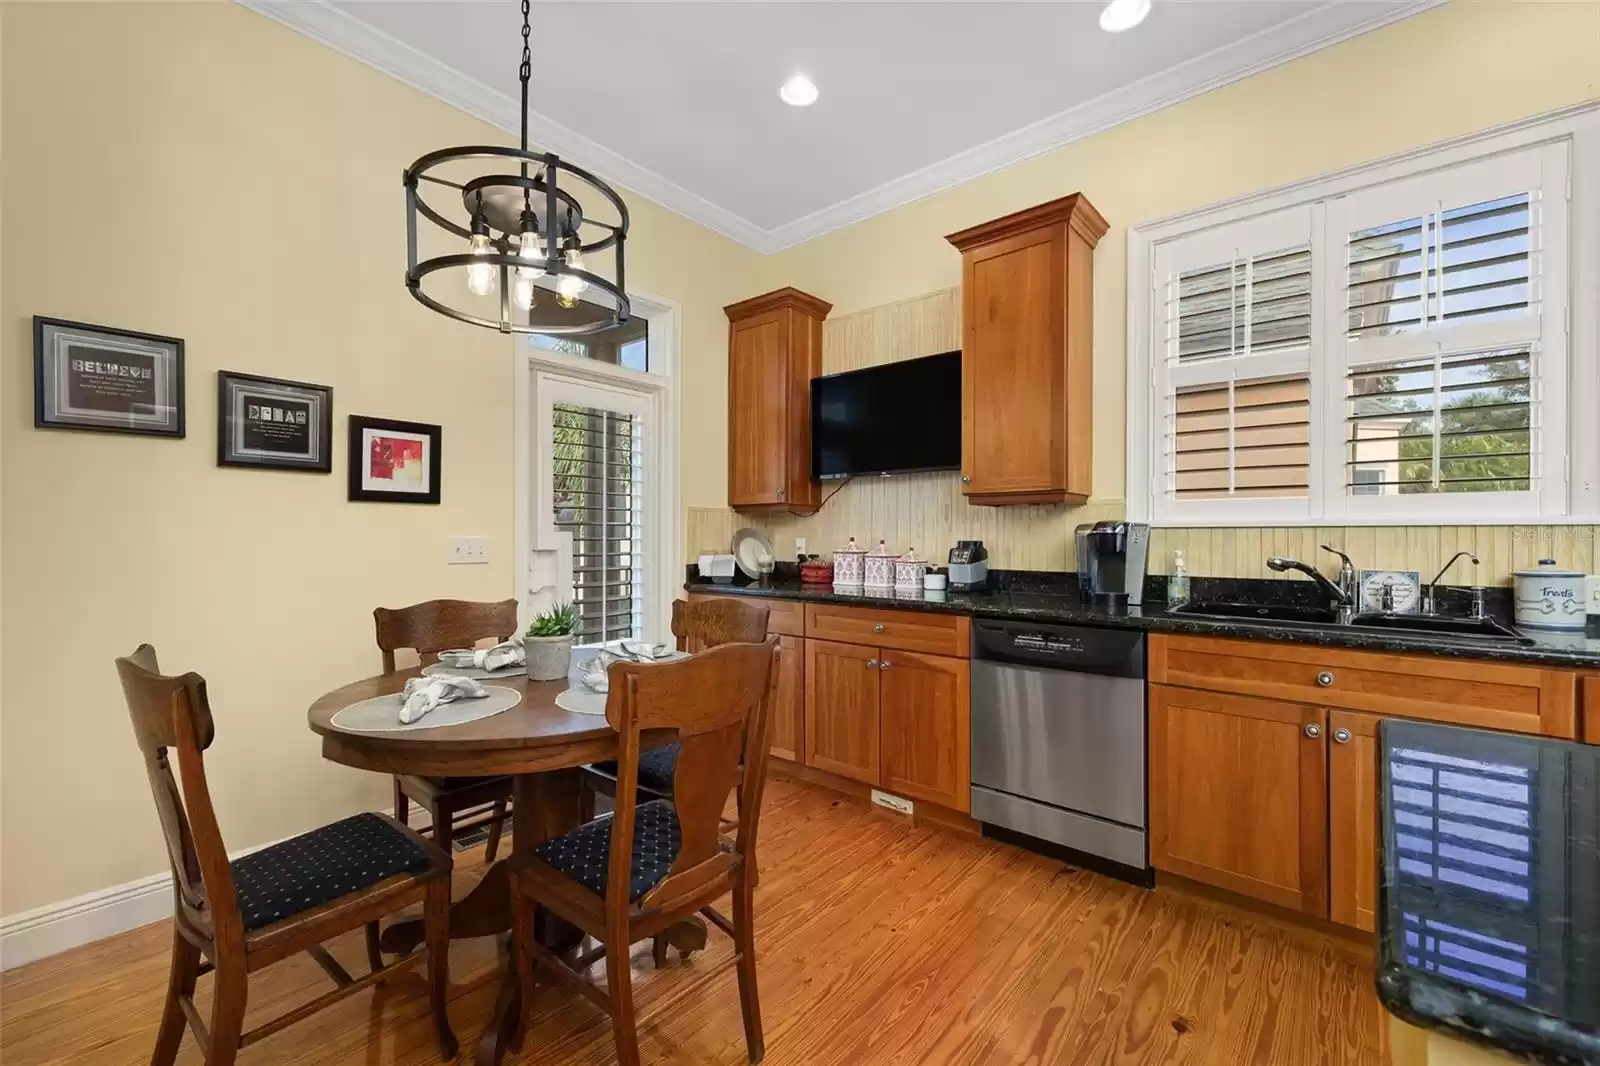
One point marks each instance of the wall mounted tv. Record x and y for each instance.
(888, 419)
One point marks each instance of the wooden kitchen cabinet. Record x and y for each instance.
(926, 727)
(789, 710)
(1239, 795)
(1353, 819)
(774, 350)
(1027, 291)
(1591, 709)
(842, 710)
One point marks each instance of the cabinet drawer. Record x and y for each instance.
(1591, 709)
(935, 634)
(1508, 696)
(785, 618)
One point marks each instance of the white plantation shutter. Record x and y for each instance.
(1451, 295)
(1233, 378)
(597, 493)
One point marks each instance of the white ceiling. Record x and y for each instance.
(678, 101)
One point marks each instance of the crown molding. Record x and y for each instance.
(350, 36)
(1318, 28)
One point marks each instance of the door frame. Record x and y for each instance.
(540, 554)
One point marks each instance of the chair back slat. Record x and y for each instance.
(705, 624)
(438, 625)
(717, 701)
(174, 714)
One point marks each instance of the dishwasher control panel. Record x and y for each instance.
(1112, 652)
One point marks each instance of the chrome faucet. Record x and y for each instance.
(1348, 584)
(1430, 601)
(1345, 601)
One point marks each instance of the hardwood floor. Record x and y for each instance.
(877, 943)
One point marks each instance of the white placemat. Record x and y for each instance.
(477, 673)
(381, 714)
(582, 701)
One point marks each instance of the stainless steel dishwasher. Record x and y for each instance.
(1058, 741)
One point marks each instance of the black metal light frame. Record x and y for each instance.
(563, 213)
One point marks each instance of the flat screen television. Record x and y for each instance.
(894, 418)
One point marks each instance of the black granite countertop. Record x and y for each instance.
(1053, 597)
(1490, 890)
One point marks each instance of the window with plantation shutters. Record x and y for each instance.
(597, 456)
(1388, 349)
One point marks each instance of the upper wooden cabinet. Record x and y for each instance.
(1027, 375)
(774, 350)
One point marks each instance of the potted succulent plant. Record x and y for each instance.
(547, 644)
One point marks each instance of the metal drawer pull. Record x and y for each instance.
(878, 628)
(1341, 736)
(1313, 730)
(1324, 679)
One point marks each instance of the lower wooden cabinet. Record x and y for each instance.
(842, 710)
(1591, 709)
(1353, 819)
(1239, 795)
(924, 707)
(789, 711)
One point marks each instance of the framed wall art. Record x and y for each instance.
(273, 423)
(394, 462)
(106, 380)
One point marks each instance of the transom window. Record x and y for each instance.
(1387, 346)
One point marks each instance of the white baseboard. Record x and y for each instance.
(71, 923)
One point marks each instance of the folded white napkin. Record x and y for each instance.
(510, 653)
(423, 694)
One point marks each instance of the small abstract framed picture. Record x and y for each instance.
(272, 423)
(394, 462)
(107, 380)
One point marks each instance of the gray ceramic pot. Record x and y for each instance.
(548, 658)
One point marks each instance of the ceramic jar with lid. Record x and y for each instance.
(879, 568)
(849, 565)
(1550, 597)
(908, 570)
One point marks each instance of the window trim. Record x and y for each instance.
(1576, 127)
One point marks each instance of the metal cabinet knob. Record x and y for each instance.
(1313, 730)
(1324, 679)
(1341, 736)
(872, 664)
(878, 628)
(966, 479)
(885, 665)
(780, 493)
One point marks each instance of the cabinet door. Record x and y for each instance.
(1353, 819)
(1012, 367)
(1591, 709)
(841, 728)
(789, 711)
(758, 409)
(927, 727)
(1238, 795)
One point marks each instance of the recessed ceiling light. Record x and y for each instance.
(1122, 15)
(801, 91)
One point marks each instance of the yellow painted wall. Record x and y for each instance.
(1410, 1046)
(200, 171)
(1451, 71)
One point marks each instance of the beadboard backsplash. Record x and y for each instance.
(929, 513)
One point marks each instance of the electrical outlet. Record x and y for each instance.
(1594, 593)
(898, 804)
(466, 551)
(799, 547)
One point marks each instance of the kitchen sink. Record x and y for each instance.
(1257, 612)
(1437, 626)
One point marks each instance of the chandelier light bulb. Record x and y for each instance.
(528, 248)
(573, 286)
(480, 276)
(798, 91)
(1121, 15)
(522, 293)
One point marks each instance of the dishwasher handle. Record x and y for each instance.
(1081, 649)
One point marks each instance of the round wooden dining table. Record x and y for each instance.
(541, 747)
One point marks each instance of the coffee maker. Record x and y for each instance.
(1112, 557)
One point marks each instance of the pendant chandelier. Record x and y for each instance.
(518, 245)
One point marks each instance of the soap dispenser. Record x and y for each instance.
(1178, 582)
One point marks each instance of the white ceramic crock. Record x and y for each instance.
(848, 565)
(1550, 597)
(879, 571)
(908, 570)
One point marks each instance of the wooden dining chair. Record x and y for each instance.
(629, 875)
(429, 628)
(233, 918)
(696, 627)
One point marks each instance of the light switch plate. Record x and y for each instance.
(1593, 581)
(466, 551)
(799, 547)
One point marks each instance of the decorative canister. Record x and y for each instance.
(908, 570)
(849, 565)
(1550, 597)
(879, 568)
